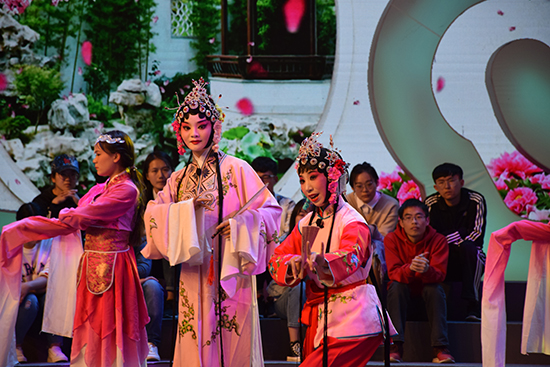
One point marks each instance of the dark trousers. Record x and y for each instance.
(399, 299)
(466, 265)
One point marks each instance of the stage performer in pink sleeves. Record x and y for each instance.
(216, 219)
(109, 323)
(331, 248)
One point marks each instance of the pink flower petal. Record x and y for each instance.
(511, 29)
(182, 92)
(186, 86)
(157, 72)
(79, 70)
(3, 82)
(294, 11)
(166, 82)
(356, 103)
(212, 40)
(155, 19)
(93, 115)
(251, 44)
(249, 59)
(440, 84)
(257, 70)
(245, 106)
(12, 113)
(148, 83)
(87, 52)
(500, 12)
(17, 182)
(162, 89)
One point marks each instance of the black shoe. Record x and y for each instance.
(295, 352)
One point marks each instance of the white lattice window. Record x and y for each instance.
(180, 24)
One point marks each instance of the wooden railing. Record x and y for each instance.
(271, 67)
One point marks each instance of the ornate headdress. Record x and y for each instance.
(106, 138)
(199, 99)
(328, 161)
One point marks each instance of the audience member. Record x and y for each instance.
(417, 261)
(62, 194)
(460, 215)
(286, 300)
(35, 269)
(266, 168)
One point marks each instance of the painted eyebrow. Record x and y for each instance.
(198, 122)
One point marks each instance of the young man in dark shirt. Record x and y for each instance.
(460, 215)
(62, 194)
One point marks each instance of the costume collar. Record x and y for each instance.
(122, 176)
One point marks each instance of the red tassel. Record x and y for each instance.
(211, 270)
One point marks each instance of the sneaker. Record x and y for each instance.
(396, 352)
(20, 356)
(55, 354)
(295, 352)
(153, 354)
(473, 318)
(442, 355)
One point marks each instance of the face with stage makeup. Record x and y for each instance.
(314, 186)
(195, 132)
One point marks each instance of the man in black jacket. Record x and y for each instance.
(62, 194)
(460, 215)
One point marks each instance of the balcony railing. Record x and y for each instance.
(271, 67)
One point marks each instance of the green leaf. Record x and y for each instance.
(236, 133)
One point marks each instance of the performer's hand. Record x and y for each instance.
(224, 229)
(294, 268)
(201, 202)
(420, 263)
(317, 262)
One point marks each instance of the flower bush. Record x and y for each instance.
(524, 187)
(398, 185)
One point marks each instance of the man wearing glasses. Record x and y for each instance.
(417, 256)
(460, 215)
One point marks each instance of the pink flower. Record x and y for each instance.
(294, 11)
(540, 215)
(518, 199)
(440, 84)
(500, 184)
(3, 82)
(245, 106)
(513, 163)
(87, 52)
(542, 179)
(386, 180)
(409, 190)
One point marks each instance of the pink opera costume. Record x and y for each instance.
(214, 267)
(110, 317)
(354, 325)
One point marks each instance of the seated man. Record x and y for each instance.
(417, 261)
(154, 299)
(460, 215)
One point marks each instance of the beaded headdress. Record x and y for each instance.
(199, 99)
(327, 161)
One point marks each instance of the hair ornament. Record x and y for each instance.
(313, 153)
(106, 138)
(199, 99)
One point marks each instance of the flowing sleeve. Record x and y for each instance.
(106, 208)
(254, 233)
(353, 253)
(278, 263)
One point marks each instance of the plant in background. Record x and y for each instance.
(237, 36)
(37, 88)
(398, 185)
(99, 111)
(245, 144)
(205, 17)
(523, 186)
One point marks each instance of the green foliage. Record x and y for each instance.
(236, 133)
(237, 35)
(120, 33)
(38, 87)
(205, 17)
(55, 24)
(249, 144)
(12, 127)
(99, 111)
(326, 27)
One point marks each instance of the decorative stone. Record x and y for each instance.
(72, 112)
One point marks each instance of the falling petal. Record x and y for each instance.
(157, 72)
(17, 182)
(500, 12)
(182, 91)
(79, 70)
(166, 82)
(245, 106)
(511, 29)
(249, 59)
(3, 82)
(257, 70)
(93, 115)
(148, 83)
(87, 52)
(356, 102)
(162, 90)
(294, 11)
(186, 86)
(19, 71)
(25, 106)
(251, 44)
(155, 19)
(12, 113)
(440, 84)
(212, 40)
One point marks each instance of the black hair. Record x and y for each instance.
(29, 210)
(292, 222)
(410, 203)
(156, 154)
(264, 164)
(127, 159)
(363, 168)
(302, 168)
(446, 170)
